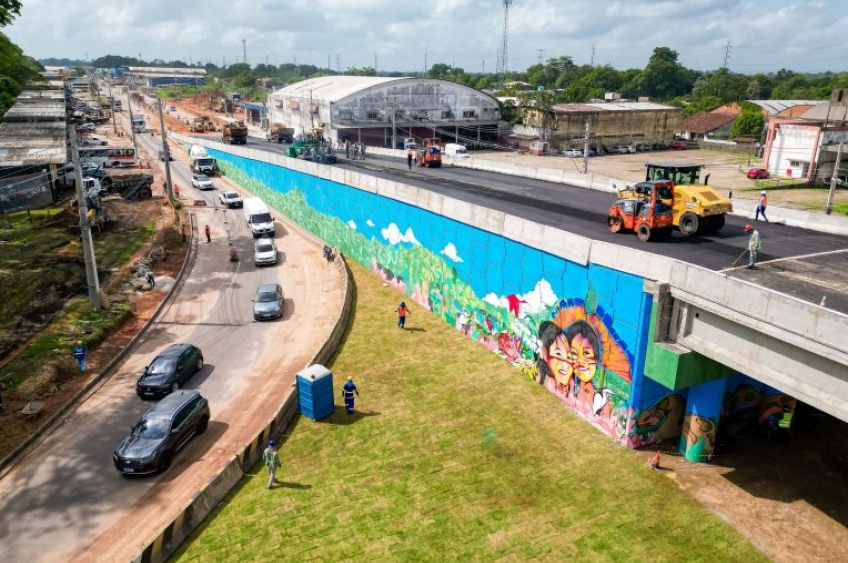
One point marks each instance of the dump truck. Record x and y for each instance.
(235, 133)
(698, 208)
(431, 154)
(645, 212)
(279, 133)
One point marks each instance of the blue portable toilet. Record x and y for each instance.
(315, 392)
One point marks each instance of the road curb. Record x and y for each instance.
(7, 462)
(161, 546)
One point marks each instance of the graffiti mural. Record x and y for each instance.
(754, 407)
(699, 437)
(659, 422)
(582, 362)
(570, 327)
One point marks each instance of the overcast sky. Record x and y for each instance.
(764, 35)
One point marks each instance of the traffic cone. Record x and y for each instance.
(655, 463)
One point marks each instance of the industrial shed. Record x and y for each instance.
(382, 111)
(155, 77)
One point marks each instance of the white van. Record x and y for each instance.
(456, 151)
(258, 217)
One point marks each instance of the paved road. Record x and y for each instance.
(65, 500)
(808, 264)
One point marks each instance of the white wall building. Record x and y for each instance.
(374, 110)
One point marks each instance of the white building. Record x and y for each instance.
(375, 110)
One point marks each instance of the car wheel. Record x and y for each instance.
(199, 365)
(688, 223)
(202, 425)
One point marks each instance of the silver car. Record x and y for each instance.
(268, 303)
(264, 252)
(202, 182)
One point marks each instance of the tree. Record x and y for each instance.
(663, 77)
(750, 122)
(8, 10)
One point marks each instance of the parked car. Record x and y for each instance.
(644, 147)
(591, 152)
(231, 199)
(678, 145)
(268, 303)
(264, 252)
(841, 181)
(202, 182)
(93, 142)
(630, 149)
(660, 147)
(169, 370)
(572, 153)
(758, 173)
(161, 432)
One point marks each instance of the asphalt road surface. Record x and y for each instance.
(66, 501)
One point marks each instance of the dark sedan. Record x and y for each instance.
(161, 432)
(169, 370)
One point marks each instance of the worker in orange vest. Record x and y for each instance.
(761, 207)
(177, 191)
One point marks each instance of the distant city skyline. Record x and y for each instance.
(752, 37)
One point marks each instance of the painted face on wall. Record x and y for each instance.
(583, 357)
(560, 359)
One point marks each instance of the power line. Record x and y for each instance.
(726, 54)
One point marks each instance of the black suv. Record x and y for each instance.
(161, 432)
(170, 369)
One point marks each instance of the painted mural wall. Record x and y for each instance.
(578, 330)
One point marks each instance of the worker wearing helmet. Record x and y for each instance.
(347, 392)
(272, 462)
(754, 246)
(761, 207)
(79, 351)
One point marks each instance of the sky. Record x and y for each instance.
(403, 35)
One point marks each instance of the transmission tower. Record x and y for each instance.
(502, 54)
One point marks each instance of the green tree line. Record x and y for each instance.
(16, 69)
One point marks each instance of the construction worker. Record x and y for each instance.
(79, 351)
(754, 246)
(177, 191)
(272, 462)
(761, 207)
(208, 232)
(409, 158)
(347, 392)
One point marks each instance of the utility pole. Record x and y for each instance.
(828, 208)
(170, 187)
(132, 129)
(85, 232)
(375, 63)
(592, 60)
(586, 149)
(394, 130)
(726, 54)
(338, 62)
(541, 54)
(425, 63)
(244, 50)
(112, 109)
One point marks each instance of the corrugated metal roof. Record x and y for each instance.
(612, 106)
(33, 156)
(36, 112)
(776, 106)
(163, 71)
(42, 95)
(832, 113)
(333, 88)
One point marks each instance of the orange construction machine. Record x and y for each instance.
(431, 154)
(648, 212)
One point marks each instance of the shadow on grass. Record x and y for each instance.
(341, 418)
(287, 485)
(415, 329)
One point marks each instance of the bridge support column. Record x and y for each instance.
(700, 425)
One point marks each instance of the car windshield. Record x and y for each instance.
(231, 195)
(204, 161)
(264, 246)
(151, 428)
(262, 218)
(161, 365)
(266, 296)
(202, 178)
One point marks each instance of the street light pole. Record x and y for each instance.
(167, 155)
(85, 232)
(132, 128)
(112, 109)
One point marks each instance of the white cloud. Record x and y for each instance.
(764, 35)
(393, 235)
(351, 224)
(540, 298)
(450, 252)
(370, 223)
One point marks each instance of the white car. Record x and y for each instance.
(202, 182)
(629, 149)
(264, 252)
(93, 142)
(231, 199)
(573, 153)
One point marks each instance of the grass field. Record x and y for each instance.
(452, 456)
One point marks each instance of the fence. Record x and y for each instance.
(25, 192)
